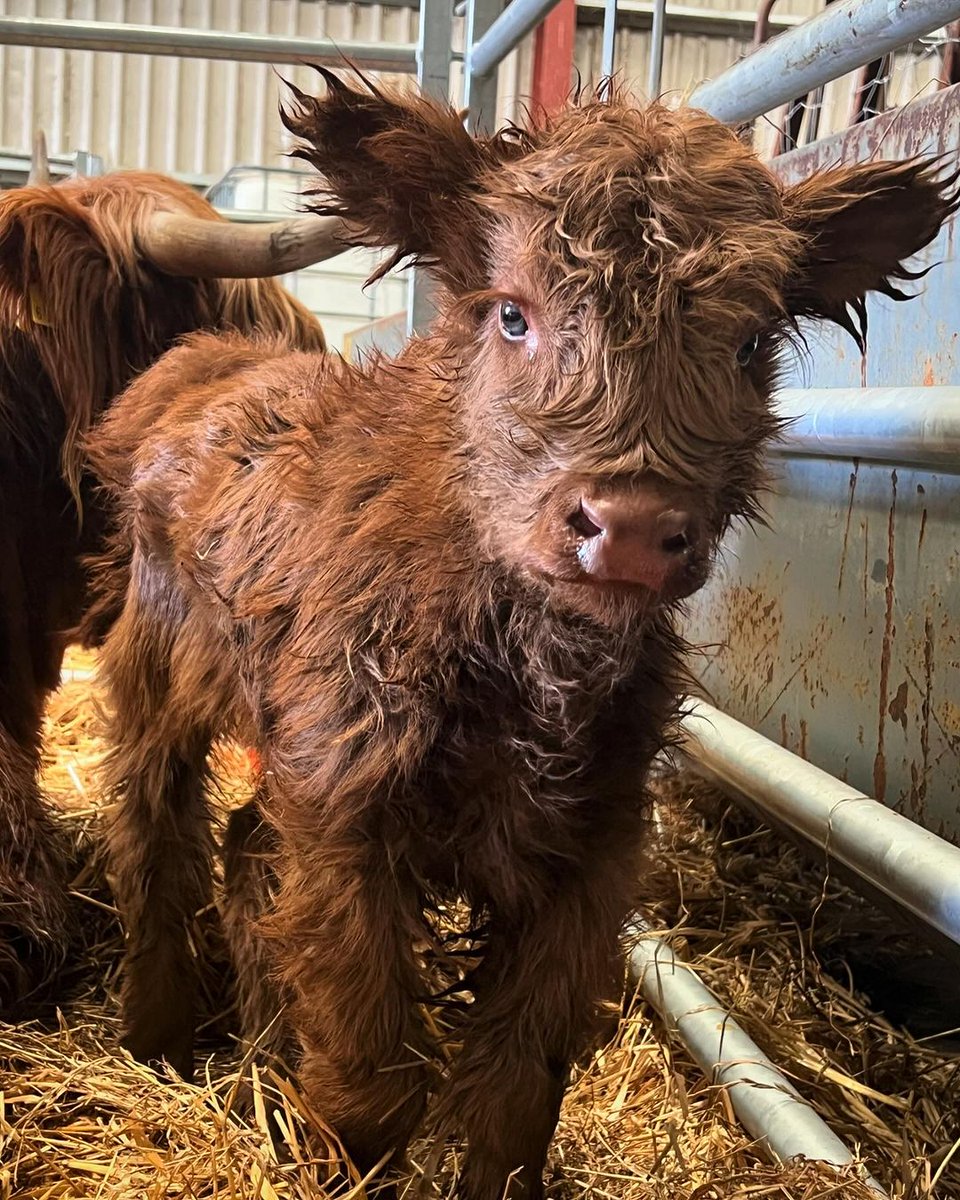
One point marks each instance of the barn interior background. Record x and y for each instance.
(834, 632)
(213, 123)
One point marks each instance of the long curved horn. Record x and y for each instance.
(39, 163)
(183, 245)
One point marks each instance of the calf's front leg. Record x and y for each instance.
(347, 920)
(538, 998)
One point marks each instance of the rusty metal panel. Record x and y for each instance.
(838, 628)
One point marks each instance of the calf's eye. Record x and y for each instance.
(513, 324)
(748, 350)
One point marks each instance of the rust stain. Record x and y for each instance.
(898, 706)
(928, 378)
(803, 738)
(921, 789)
(846, 528)
(754, 623)
(880, 762)
(790, 678)
(949, 722)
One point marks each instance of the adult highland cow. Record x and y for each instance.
(438, 593)
(98, 277)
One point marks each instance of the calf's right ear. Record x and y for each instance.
(402, 170)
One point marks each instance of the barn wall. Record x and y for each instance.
(182, 116)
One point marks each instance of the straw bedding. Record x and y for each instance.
(779, 943)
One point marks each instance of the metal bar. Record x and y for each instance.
(480, 87)
(768, 1106)
(911, 866)
(433, 75)
(919, 426)
(202, 43)
(608, 53)
(639, 14)
(507, 31)
(842, 38)
(656, 48)
(434, 48)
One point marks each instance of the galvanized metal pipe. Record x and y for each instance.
(912, 866)
(919, 426)
(507, 31)
(768, 1106)
(609, 50)
(202, 43)
(846, 35)
(657, 32)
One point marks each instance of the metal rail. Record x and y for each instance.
(768, 1106)
(919, 426)
(609, 50)
(434, 55)
(842, 38)
(656, 48)
(506, 32)
(202, 43)
(913, 867)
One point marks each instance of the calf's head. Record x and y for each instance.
(617, 284)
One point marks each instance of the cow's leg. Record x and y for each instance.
(538, 997)
(159, 838)
(347, 922)
(249, 879)
(34, 922)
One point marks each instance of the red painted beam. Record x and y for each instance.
(553, 57)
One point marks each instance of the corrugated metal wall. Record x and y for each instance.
(181, 116)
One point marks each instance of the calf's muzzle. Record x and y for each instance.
(645, 536)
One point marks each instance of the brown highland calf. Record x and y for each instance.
(98, 277)
(438, 593)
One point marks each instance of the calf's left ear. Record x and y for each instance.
(859, 226)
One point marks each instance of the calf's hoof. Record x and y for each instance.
(155, 1049)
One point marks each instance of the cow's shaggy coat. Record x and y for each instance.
(81, 312)
(427, 589)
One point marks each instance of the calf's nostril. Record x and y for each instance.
(582, 525)
(675, 544)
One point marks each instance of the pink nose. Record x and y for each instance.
(641, 536)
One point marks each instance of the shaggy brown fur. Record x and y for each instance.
(374, 574)
(80, 314)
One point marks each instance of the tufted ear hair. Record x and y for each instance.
(860, 225)
(402, 170)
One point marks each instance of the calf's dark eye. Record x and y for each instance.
(513, 324)
(748, 350)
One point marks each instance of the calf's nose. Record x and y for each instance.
(639, 537)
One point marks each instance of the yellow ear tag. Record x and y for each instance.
(37, 313)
